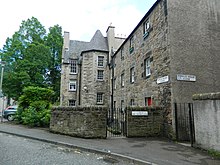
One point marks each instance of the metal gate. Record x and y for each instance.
(184, 120)
(116, 123)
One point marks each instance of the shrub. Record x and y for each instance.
(34, 118)
(34, 107)
(33, 94)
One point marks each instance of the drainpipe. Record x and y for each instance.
(80, 81)
(112, 66)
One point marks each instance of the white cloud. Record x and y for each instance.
(81, 18)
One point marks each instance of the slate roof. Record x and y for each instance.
(98, 42)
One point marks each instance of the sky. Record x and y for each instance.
(79, 17)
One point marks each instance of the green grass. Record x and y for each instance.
(214, 153)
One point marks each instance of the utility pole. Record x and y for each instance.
(1, 94)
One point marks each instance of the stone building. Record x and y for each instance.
(85, 73)
(170, 55)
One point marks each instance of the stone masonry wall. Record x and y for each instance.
(145, 126)
(87, 122)
(207, 120)
(89, 79)
(154, 46)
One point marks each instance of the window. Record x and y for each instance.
(114, 83)
(100, 75)
(122, 53)
(73, 66)
(72, 85)
(131, 44)
(122, 80)
(146, 26)
(114, 106)
(132, 75)
(148, 101)
(100, 61)
(99, 98)
(122, 105)
(132, 102)
(72, 103)
(147, 64)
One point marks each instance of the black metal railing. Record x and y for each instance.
(116, 123)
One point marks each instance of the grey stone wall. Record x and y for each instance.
(155, 46)
(87, 122)
(89, 79)
(145, 126)
(207, 120)
(65, 94)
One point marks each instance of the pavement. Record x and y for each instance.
(137, 150)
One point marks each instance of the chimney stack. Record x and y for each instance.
(66, 40)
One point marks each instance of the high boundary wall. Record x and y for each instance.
(207, 120)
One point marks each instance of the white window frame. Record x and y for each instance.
(100, 61)
(72, 85)
(73, 66)
(132, 75)
(99, 98)
(132, 102)
(115, 83)
(147, 67)
(99, 75)
(122, 79)
(146, 26)
(72, 103)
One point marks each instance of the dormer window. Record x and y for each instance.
(146, 28)
(131, 44)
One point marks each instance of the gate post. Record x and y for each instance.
(176, 121)
(191, 124)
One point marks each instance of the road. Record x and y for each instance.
(20, 151)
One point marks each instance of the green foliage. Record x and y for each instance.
(34, 106)
(54, 41)
(33, 95)
(33, 58)
(34, 118)
(214, 153)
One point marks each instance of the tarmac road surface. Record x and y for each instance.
(21, 151)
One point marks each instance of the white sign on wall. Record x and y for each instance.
(182, 77)
(162, 79)
(139, 113)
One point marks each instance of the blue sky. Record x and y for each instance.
(81, 18)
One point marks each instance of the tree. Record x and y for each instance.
(54, 41)
(33, 58)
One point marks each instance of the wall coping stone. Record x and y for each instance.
(69, 108)
(206, 96)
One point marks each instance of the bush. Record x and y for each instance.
(34, 118)
(34, 107)
(34, 94)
